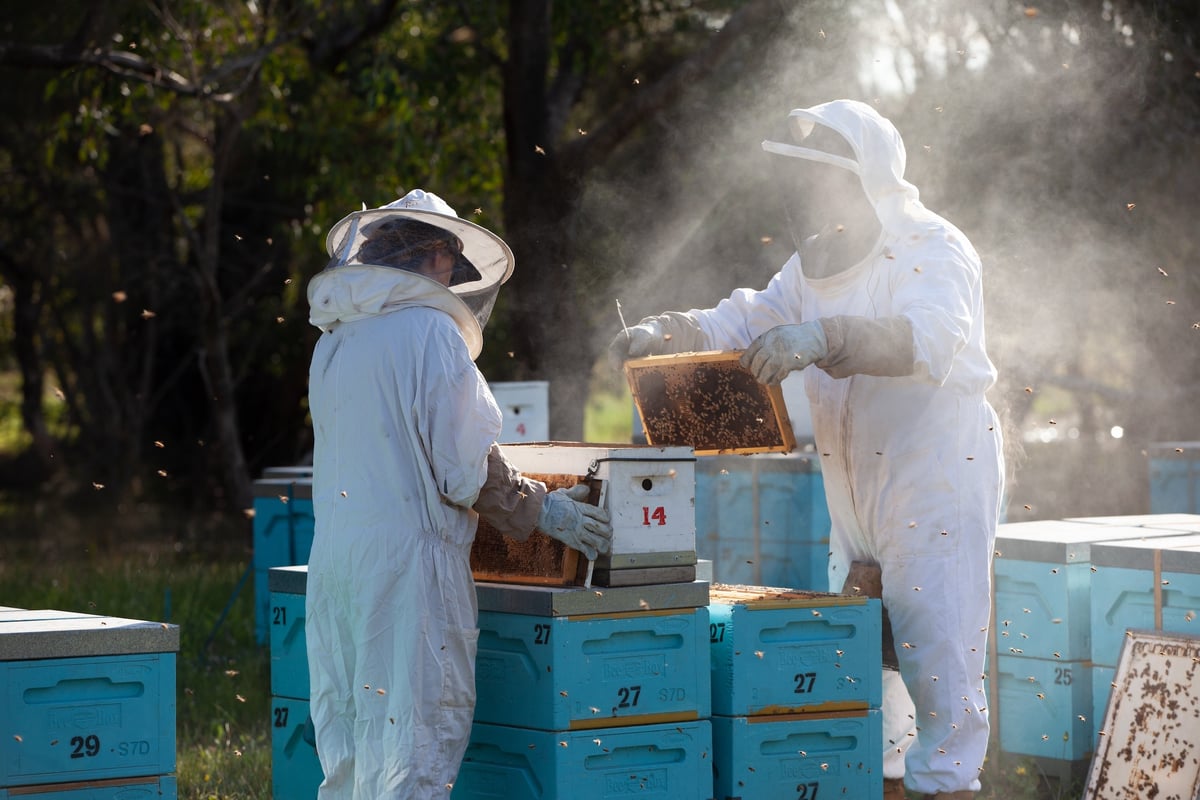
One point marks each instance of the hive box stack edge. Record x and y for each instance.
(762, 519)
(600, 691)
(797, 690)
(283, 526)
(1042, 678)
(642, 651)
(295, 770)
(1174, 470)
(1149, 585)
(88, 707)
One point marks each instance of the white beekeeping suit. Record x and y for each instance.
(404, 456)
(910, 448)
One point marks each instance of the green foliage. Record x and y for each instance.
(193, 171)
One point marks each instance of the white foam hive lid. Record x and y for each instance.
(69, 637)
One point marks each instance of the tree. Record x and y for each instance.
(186, 158)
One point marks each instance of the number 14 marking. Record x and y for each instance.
(659, 515)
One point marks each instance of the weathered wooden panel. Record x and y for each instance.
(1150, 742)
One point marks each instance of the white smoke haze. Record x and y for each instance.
(1021, 128)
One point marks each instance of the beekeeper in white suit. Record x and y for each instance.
(882, 307)
(404, 460)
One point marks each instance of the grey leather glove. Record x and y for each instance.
(772, 356)
(567, 517)
(669, 332)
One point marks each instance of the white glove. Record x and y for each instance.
(784, 348)
(579, 525)
(669, 332)
(644, 339)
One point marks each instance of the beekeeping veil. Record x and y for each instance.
(416, 224)
(851, 136)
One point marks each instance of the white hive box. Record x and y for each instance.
(526, 409)
(650, 493)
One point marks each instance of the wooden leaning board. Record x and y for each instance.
(709, 402)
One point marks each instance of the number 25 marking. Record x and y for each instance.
(659, 515)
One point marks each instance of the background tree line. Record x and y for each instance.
(170, 168)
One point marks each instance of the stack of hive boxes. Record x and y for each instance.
(282, 532)
(596, 693)
(762, 519)
(88, 708)
(295, 771)
(600, 691)
(797, 689)
(1047, 583)
(1174, 477)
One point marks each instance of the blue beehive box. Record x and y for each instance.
(156, 787)
(763, 520)
(1045, 707)
(289, 653)
(560, 673)
(86, 698)
(1147, 584)
(295, 769)
(780, 652)
(809, 756)
(1043, 583)
(283, 536)
(1175, 477)
(665, 761)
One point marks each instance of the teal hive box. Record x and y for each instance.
(799, 757)
(762, 519)
(86, 698)
(561, 673)
(283, 536)
(1045, 708)
(295, 769)
(1174, 470)
(289, 654)
(779, 652)
(1149, 584)
(669, 761)
(157, 787)
(1043, 585)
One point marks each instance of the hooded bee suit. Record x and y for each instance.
(910, 448)
(404, 426)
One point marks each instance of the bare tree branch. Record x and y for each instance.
(331, 47)
(603, 139)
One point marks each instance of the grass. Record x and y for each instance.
(223, 689)
(223, 677)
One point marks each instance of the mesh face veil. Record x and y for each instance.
(404, 233)
(819, 185)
